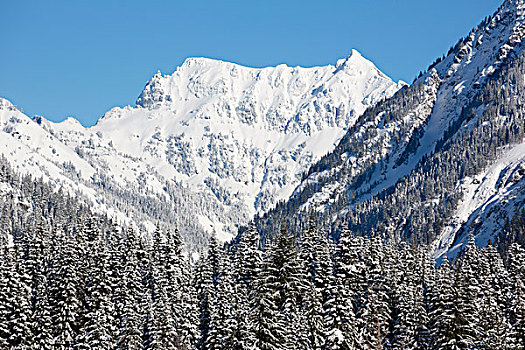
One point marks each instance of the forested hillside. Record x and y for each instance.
(73, 280)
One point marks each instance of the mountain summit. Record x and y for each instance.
(206, 147)
(278, 98)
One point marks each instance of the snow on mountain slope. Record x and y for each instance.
(447, 88)
(387, 172)
(32, 150)
(232, 140)
(488, 199)
(460, 75)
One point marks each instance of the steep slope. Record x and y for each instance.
(490, 200)
(401, 170)
(206, 147)
(32, 150)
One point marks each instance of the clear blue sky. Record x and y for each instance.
(80, 58)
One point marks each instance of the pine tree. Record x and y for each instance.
(374, 316)
(42, 321)
(65, 285)
(266, 320)
(223, 323)
(188, 319)
(206, 280)
(344, 291)
(469, 297)
(311, 329)
(494, 324)
(444, 315)
(118, 246)
(248, 258)
(34, 267)
(174, 266)
(427, 279)
(161, 324)
(408, 295)
(129, 332)
(288, 281)
(248, 264)
(15, 313)
(96, 330)
(35, 263)
(149, 322)
(317, 263)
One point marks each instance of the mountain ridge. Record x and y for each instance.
(217, 140)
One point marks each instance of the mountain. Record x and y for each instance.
(440, 160)
(205, 148)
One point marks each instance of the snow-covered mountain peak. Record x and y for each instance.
(6, 105)
(71, 123)
(195, 63)
(255, 95)
(219, 140)
(114, 113)
(353, 61)
(479, 54)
